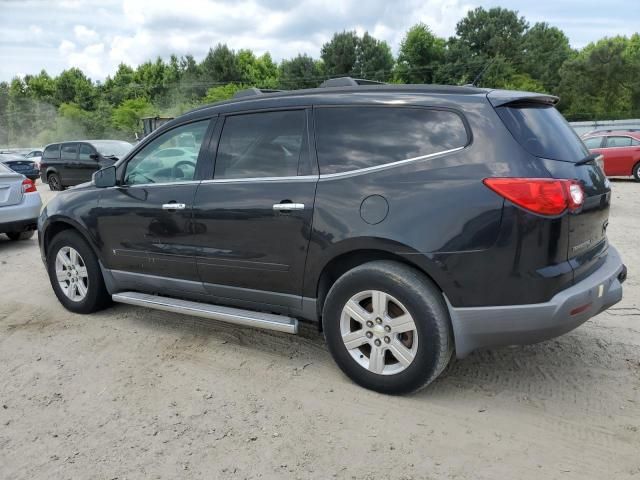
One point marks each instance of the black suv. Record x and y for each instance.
(408, 221)
(71, 163)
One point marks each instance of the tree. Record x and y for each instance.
(421, 52)
(373, 59)
(127, 116)
(340, 53)
(545, 51)
(599, 82)
(220, 65)
(72, 86)
(497, 31)
(300, 72)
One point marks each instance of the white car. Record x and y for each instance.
(35, 156)
(20, 205)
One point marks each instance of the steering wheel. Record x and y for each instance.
(176, 168)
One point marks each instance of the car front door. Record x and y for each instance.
(87, 163)
(253, 217)
(144, 222)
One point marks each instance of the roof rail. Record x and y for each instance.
(348, 82)
(253, 91)
(604, 130)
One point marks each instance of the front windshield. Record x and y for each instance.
(112, 148)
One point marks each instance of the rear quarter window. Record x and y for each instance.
(543, 131)
(352, 138)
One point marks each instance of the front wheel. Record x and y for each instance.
(75, 274)
(387, 327)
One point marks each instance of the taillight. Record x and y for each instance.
(28, 186)
(545, 196)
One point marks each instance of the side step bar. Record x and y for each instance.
(247, 318)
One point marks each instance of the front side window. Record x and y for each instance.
(351, 138)
(171, 157)
(257, 145)
(69, 151)
(618, 142)
(593, 142)
(85, 152)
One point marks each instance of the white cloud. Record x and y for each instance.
(84, 34)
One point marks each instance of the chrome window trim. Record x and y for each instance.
(385, 166)
(292, 178)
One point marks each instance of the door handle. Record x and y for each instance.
(283, 207)
(173, 206)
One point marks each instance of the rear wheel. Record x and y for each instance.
(54, 182)
(636, 172)
(20, 235)
(387, 327)
(75, 274)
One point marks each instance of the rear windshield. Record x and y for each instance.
(543, 131)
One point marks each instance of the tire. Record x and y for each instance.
(54, 182)
(15, 236)
(85, 291)
(636, 172)
(399, 290)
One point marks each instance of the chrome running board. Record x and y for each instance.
(247, 318)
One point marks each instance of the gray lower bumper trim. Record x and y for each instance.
(479, 327)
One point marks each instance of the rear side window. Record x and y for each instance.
(260, 145)
(543, 131)
(351, 138)
(69, 151)
(52, 152)
(618, 141)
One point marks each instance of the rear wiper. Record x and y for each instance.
(592, 157)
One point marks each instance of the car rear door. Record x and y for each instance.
(69, 169)
(253, 217)
(618, 155)
(144, 223)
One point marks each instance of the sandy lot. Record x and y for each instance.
(134, 393)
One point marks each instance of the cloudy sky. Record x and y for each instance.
(97, 35)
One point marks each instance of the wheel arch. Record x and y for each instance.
(57, 225)
(344, 261)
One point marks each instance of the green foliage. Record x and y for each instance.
(223, 92)
(300, 72)
(494, 47)
(127, 116)
(421, 53)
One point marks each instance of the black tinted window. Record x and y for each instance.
(543, 132)
(69, 151)
(349, 138)
(618, 141)
(52, 152)
(261, 145)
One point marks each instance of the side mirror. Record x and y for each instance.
(105, 177)
(94, 156)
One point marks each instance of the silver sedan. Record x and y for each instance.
(20, 205)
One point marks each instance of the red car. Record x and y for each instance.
(620, 148)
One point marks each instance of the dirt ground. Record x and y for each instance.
(134, 393)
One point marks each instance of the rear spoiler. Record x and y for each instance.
(499, 98)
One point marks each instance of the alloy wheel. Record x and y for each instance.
(379, 332)
(71, 273)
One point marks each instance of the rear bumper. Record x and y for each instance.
(479, 327)
(22, 216)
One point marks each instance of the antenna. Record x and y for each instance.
(482, 72)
